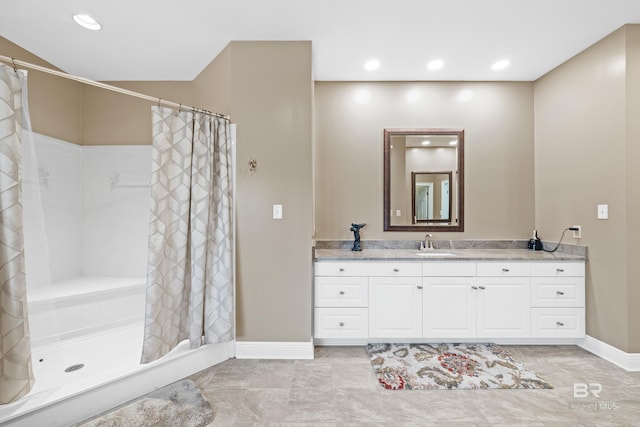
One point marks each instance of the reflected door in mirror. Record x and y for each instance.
(431, 198)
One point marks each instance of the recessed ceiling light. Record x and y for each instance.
(436, 64)
(413, 96)
(500, 65)
(465, 95)
(425, 142)
(362, 96)
(372, 64)
(87, 21)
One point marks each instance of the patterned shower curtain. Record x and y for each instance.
(190, 271)
(16, 374)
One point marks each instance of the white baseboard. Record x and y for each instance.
(627, 361)
(274, 350)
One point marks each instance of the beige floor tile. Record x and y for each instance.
(338, 388)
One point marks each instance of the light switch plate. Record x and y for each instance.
(277, 211)
(603, 211)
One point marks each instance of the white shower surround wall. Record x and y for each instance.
(92, 228)
(93, 311)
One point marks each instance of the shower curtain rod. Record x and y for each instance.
(15, 63)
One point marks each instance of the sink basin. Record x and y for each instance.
(434, 254)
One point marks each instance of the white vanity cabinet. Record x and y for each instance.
(504, 299)
(395, 300)
(476, 300)
(449, 300)
(341, 300)
(442, 300)
(557, 300)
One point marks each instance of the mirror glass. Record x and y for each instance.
(423, 180)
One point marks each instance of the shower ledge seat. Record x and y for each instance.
(83, 306)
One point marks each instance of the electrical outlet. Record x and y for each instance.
(577, 234)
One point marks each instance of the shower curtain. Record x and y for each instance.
(16, 374)
(190, 271)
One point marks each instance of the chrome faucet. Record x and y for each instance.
(427, 243)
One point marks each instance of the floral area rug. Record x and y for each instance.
(449, 366)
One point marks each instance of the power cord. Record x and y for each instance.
(560, 241)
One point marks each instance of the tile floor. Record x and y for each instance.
(338, 388)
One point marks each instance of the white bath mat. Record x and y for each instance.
(178, 404)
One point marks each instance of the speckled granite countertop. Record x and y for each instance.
(442, 255)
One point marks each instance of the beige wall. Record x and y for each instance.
(268, 89)
(586, 152)
(498, 123)
(212, 87)
(632, 160)
(111, 118)
(55, 104)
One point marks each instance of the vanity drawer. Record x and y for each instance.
(341, 323)
(341, 291)
(341, 269)
(557, 292)
(557, 323)
(390, 269)
(557, 269)
(458, 269)
(506, 269)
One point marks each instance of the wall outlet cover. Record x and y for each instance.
(577, 234)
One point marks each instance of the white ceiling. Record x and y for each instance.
(175, 40)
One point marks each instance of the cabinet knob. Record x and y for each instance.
(341, 292)
(341, 269)
(419, 286)
(396, 270)
(559, 323)
(560, 270)
(341, 324)
(474, 287)
(506, 270)
(482, 287)
(559, 293)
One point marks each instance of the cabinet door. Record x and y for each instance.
(504, 309)
(395, 307)
(449, 307)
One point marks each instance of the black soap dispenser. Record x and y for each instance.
(535, 243)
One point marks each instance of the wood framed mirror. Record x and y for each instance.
(424, 180)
